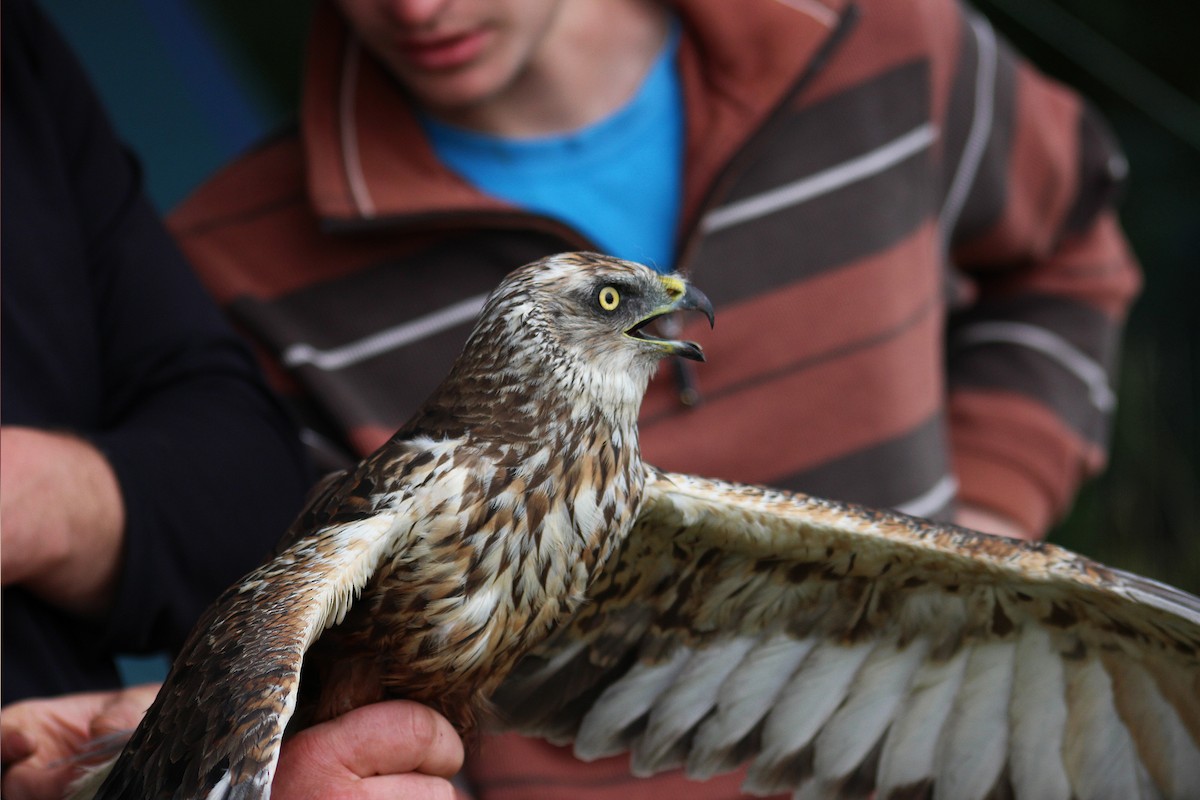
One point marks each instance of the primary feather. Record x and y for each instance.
(507, 556)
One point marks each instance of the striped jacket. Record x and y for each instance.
(905, 230)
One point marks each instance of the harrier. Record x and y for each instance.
(507, 558)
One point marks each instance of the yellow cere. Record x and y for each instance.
(675, 287)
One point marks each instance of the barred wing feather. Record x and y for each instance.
(840, 650)
(215, 729)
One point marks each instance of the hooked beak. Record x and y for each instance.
(681, 296)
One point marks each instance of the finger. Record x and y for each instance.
(48, 728)
(28, 780)
(125, 710)
(413, 786)
(14, 745)
(391, 737)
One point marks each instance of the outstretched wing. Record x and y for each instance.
(840, 649)
(215, 728)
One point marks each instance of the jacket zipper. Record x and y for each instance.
(684, 371)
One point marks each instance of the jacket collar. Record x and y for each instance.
(367, 158)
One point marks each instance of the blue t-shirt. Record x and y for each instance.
(619, 180)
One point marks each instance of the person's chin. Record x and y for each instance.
(449, 99)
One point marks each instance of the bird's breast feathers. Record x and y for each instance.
(484, 557)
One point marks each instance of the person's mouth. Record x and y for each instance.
(443, 52)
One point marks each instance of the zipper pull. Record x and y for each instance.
(685, 373)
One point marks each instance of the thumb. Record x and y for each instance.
(123, 713)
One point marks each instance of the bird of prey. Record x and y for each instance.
(509, 559)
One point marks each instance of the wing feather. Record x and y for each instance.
(975, 740)
(744, 700)
(215, 729)
(605, 730)
(685, 702)
(839, 649)
(1162, 741)
(871, 706)
(1098, 750)
(809, 699)
(1038, 716)
(909, 758)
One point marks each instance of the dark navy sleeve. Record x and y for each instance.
(107, 333)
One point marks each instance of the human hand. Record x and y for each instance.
(62, 518)
(394, 749)
(986, 521)
(39, 739)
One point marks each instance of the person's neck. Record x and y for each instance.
(591, 64)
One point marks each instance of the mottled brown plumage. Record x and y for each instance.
(509, 543)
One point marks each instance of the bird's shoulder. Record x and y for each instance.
(381, 481)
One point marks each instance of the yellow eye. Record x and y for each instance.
(610, 298)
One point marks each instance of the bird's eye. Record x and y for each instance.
(609, 298)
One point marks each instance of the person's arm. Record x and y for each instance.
(981, 519)
(394, 749)
(210, 468)
(61, 518)
(1044, 278)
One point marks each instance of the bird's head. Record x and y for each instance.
(583, 318)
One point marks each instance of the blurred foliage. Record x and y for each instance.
(1143, 514)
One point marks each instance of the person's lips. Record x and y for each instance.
(442, 52)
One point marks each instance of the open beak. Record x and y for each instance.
(681, 296)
